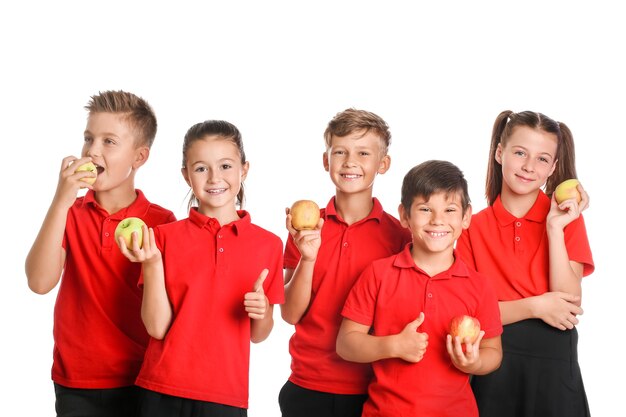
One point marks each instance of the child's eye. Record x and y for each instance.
(109, 141)
(200, 169)
(364, 153)
(226, 166)
(88, 139)
(424, 209)
(519, 153)
(545, 160)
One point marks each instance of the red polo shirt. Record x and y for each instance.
(391, 293)
(99, 338)
(208, 269)
(513, 252)
(344, 253)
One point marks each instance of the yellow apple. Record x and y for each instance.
(126, 228)
(305, 214)
(567, 190)
(90, 167)
(465, 327)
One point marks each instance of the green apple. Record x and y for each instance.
(90, 167)
(126, 228)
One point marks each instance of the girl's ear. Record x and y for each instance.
(244, 170)
(498, 155)
(183, 171)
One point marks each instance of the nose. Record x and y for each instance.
(529, 165)
(213, 175)
(92, 148)
(349, 161)
(436, 217)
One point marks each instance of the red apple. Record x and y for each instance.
(567, 190)
(465, 327)
(305, 214)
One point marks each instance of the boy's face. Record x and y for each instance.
(110, 142)
(354, 160)
(436, 223)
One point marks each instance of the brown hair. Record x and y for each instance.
(431, 177)
(353, 120)
(138, 112)
(224, 130)
(503, 127)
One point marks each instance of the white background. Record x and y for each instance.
(437, 72)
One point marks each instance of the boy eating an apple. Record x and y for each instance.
(322, 264)
(99, 338)
(398, 314)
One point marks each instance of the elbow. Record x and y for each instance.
(341, 349)
(289, 316)
(156, 332)
(39, 286)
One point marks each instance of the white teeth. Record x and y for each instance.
(218, 191)
(438, 234)
(351, 176)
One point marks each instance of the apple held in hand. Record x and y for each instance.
(567, 190)
(90, 167)
(465, 327)
(305, 214)
(126, 228)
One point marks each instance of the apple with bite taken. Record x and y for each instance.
(464, 327)
(567, 190)
(305, 214)
(89, 167)
(126, 228)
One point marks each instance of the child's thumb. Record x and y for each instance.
(418, 321)
(258, 285)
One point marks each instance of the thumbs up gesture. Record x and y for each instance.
(255, 302)
(410, 343)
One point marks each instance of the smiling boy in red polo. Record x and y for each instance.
(321, 266)
(397, 315)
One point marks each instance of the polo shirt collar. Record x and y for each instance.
(376, 213)
(203, 221)
(458, 269)
(537, 212)
(139, 207)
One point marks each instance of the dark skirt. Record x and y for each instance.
(539, 375)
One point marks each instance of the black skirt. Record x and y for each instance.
(539, 375)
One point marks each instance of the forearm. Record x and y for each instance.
(260, 329)
(156, 310)
(45, 260)
(565, 276)
(298, 292)
(364, 348)
(490, 360)
(516, 310)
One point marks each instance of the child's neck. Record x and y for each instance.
(433, 263)
(223, 215)
(353, 207)
(518, 204)
(116, 199)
